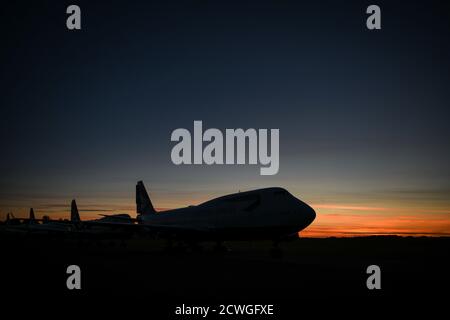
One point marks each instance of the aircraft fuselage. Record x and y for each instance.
(264, 213)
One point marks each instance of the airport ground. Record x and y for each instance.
(141, 269)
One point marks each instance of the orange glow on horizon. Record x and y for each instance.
(350, 221)
(333, 220)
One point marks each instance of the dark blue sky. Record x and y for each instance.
(362, 114)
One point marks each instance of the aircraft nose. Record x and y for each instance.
(311, 214)
(307, 213)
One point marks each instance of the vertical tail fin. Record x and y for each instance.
(143, 204)
(32, 216)
(74, 215)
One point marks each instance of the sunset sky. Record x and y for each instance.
(363, 115)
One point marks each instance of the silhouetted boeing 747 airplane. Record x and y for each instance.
(270, 213)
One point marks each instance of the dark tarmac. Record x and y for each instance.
(143, 270)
